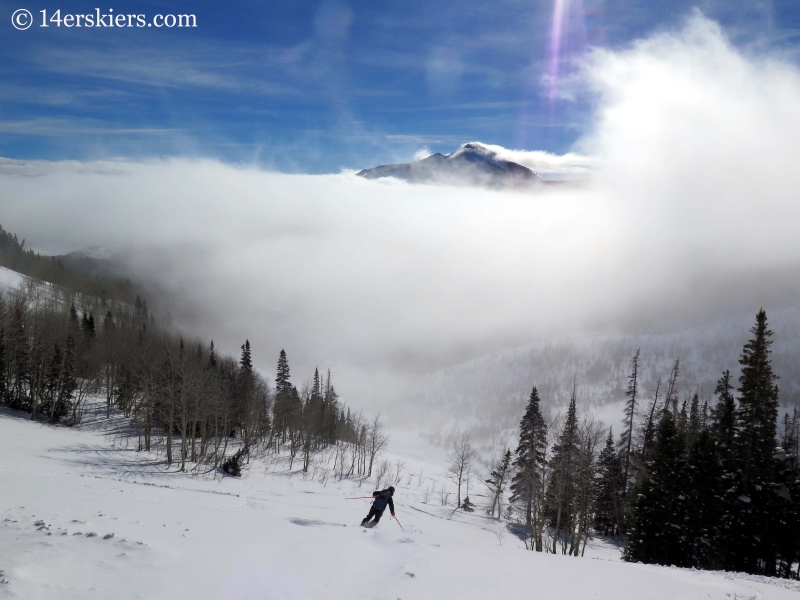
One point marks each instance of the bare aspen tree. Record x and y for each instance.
(376, 441)
(398, 471)
(590, 434)
(381, 472)
(461, 457)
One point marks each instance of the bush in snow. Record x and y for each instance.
(233, 466)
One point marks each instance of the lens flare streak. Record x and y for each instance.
(567, 37)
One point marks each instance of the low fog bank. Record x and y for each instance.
(693, 211)
(488, 395)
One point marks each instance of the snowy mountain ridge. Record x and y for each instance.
(472, 164)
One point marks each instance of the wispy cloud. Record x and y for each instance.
(181, 68)
(410, 138)
(63, 96)
(44, 126)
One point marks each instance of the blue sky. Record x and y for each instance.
(316, 86)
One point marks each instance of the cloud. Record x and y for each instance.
(46, 126)
(422, 139)
(422, 153)
(337, 269)
(192, 66)
(693, 209)
(546, 163)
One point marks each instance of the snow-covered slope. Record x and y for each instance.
(12, 279)
(82, 516)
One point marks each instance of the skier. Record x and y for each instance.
(382, 498)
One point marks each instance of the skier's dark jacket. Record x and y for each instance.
(384, 498)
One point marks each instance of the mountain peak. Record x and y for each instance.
(472, 164)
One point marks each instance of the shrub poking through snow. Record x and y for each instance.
(233, 465)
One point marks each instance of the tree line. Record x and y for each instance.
(14, 256)
(689, 482)
(176, 396)
(719, 486)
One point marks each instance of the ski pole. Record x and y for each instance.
(360, 498)
(398, 522)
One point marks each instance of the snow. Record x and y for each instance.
(84, 516)
(12, 279)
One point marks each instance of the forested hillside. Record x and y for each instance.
(14, 256)
(711, 483)
(182, 398)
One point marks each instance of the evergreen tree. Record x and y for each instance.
(125, 390)
(140, 309)
(282, 382)
(246, 362)
(671, 398)
(723, 422)
(754, 518)
(608, 496)
(648, 427)
(496, 483)
(73, 319)
(316, 387)
(108, 323)
(695, 423)
(703, 488)
(87, 326)
(626, 439)
(788, 492)
(212, 357)
(789, 440)
(332, 411)
(529, 464)
(69, 384)
(656, 527)
(561, 491)
(683, 418)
